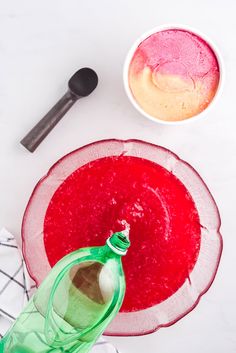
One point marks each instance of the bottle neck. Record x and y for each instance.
(118, 243)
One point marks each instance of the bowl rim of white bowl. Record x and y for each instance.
(161, 28)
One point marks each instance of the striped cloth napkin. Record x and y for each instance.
(16, 287)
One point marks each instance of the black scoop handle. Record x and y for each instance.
(32, 140)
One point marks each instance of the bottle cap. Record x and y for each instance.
(119, 243)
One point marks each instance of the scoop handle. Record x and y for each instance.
(32, 140)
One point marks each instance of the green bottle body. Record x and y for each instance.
(72, 307)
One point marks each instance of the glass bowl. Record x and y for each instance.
(202, 275)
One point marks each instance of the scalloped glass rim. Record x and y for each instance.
(188, 295)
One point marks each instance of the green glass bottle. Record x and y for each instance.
(74, 304)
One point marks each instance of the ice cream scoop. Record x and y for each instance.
(80, 85)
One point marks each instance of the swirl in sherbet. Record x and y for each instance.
(173, 75)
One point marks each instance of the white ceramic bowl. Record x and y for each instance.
(130, 56)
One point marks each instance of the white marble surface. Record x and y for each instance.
(41, 44)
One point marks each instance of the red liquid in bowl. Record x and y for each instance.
(164, 224)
